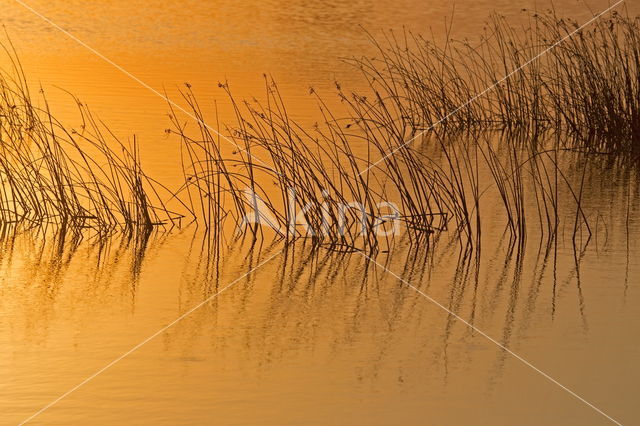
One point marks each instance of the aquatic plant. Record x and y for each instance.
(433, 186)
(550, 73)
(83, 178)
(387, 156)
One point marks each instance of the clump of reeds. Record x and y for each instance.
(76, 178)
(313, 174)
(436, 184)
(551, 73)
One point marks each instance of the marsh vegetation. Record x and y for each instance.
(549, 91)
(550, 88)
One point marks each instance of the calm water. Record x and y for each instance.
(309, 337)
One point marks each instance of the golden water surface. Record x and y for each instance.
(308, 337)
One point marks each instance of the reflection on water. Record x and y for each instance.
(319, 336)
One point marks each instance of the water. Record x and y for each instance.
(307, 337)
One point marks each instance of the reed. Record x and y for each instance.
(332, 182)
(83, 178)
(550, 73)
(313, 174)
(438, 184)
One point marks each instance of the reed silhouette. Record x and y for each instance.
(388, 146)
(83, 178)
